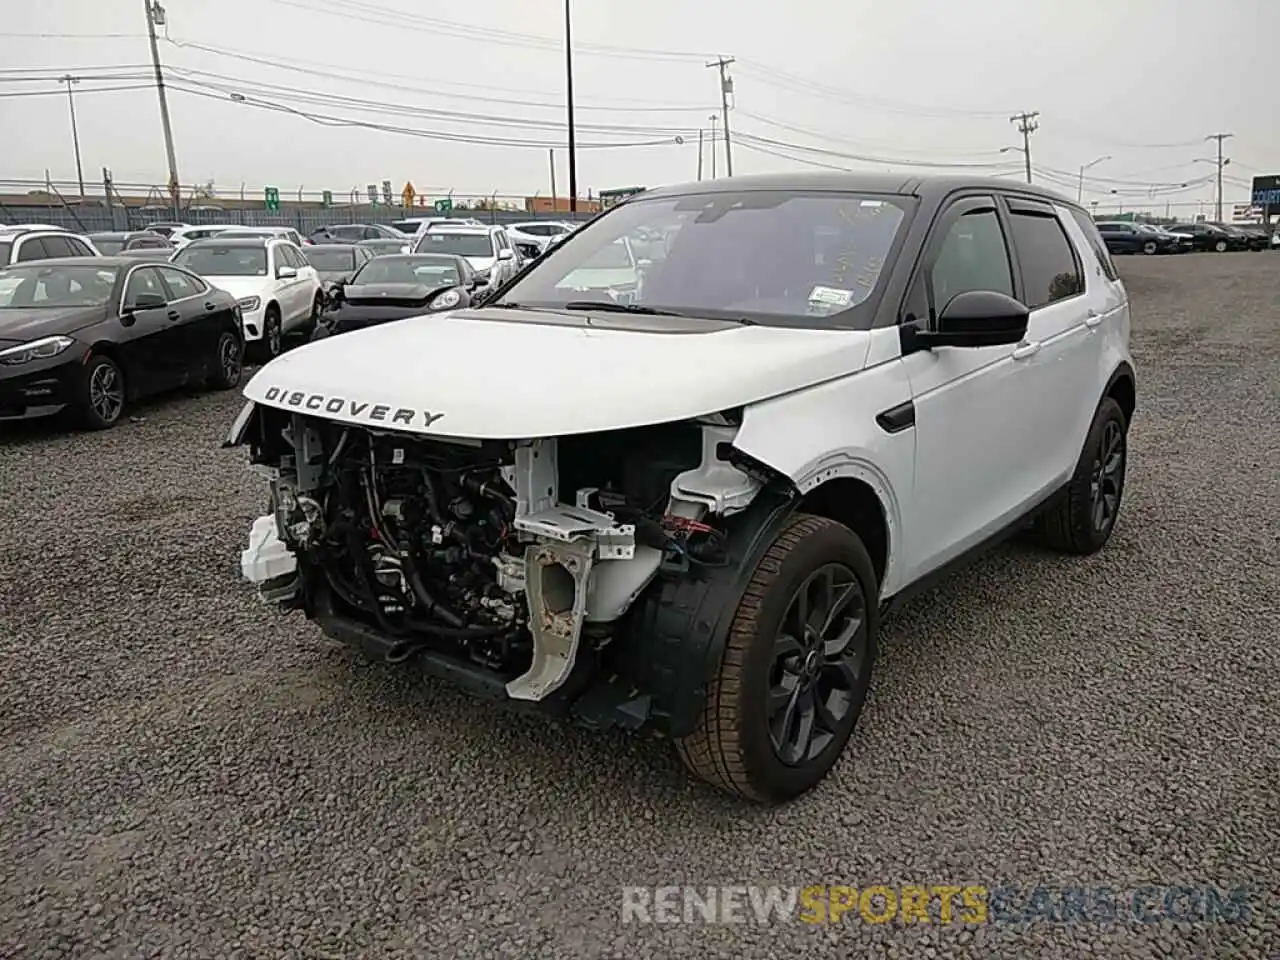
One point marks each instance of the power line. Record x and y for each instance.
(74, 36)
(823, 136)
(57, 93)
(308, 68)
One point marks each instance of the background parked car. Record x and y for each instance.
(487, 249)
(25, 242)
(145, 244)
(355, 232)
(1124, 237)
(1245, 238)
(336, 262)
(92, 335)
(1206, 236)
(277, 290)
(277, 233)
(184, 235)
(395, 287)
(382, 246)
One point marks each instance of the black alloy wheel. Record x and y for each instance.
(1081, 521)
(1108, 477)
(818, 659)
(104, 393)
(228, 363)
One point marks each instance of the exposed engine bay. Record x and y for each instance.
(514, 555)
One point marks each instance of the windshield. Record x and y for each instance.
(70, 285)
(331, 259)
(108, 245)
(431, 271)
(406, 226)
(782, 257)
(459, 244)
(218, 260)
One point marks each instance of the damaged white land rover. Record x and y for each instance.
(679, 497)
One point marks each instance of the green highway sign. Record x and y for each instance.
(272, 198)
(326, 198)
(443, 206)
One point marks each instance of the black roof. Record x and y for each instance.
(925, 185)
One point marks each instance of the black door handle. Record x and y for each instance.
(174, 315)
(211, 306)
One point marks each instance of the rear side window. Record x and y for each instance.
(1090, 231)
(32, 249)
(1050, 271)
(78, 247)
(57, 247)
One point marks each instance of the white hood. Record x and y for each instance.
(489, 375)
(241, 287)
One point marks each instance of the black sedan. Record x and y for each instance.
(1206, 236)
(1122, 236)
(1246, 238)
(337, 262)
(92, 335)
(394, 287)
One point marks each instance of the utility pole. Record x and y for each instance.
(726, 88)
(555, 203)
(1027, 124)
(71, 81)
(714, 120)
(699, 153)
(155, 15)
(573, 147)
(1221, 163)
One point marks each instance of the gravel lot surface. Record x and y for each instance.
(184, 772)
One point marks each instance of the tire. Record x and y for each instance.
(736, 747)
(1149, 248)
(269, 347)
(102, 393)
(228, 362)
(1077, 524)
(317, 308)
(1220, 246)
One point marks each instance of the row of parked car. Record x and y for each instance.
(1127, 236)
(91, 323)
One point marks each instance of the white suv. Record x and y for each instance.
(687, 503)
(19, 244)
(488, 249)
(279, 292)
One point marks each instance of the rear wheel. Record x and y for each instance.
(102, 398)
(1081, 523)
(268, 348)
(796, 667)
(228, 362)
(1220, 246)
(1149, 247)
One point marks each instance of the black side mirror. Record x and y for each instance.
(977, 318)
(146, 301)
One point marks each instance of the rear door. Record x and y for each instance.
(200, 318)
(151, 349)
(1059, 357)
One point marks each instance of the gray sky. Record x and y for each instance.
(925, 81)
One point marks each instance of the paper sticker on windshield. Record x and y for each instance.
(874, 204)
(829, 299)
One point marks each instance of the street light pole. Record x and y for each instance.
(573, 147)
(1083, 168)
(71, 81)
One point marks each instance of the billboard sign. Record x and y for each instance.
(1266, 191)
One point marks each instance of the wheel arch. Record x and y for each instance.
(1122, 387)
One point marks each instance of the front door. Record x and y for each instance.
(972, 428)
(151, 349)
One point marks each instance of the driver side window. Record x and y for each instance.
(145, 280)
(973, 256)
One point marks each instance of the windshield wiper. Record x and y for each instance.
(611, 306)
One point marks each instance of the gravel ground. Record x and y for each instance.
(186, 773)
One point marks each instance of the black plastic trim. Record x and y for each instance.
(899, 418)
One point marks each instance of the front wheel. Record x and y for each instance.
(1149, 247)
(796, 667)
(268, 348)
(103, 395)
(1220, 246)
